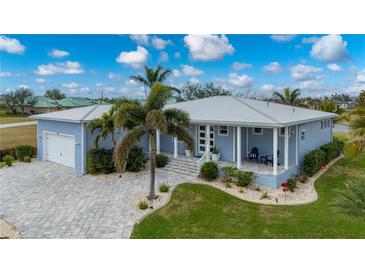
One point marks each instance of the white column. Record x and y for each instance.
(238, 146)
(207, 141)
(246, 142)
(175, 147)
(157, 141)
(296, 145)
(275, 151)
(286, 148)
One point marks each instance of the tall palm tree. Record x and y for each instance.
(143, 119)
(152, 76)
(288, 97)
(105, 125)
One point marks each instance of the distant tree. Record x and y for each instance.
(24, 97)
(328, 106)
(54, 94)
(10, 101)
(288, 97)
(192, 91)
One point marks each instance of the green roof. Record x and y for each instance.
(44, 102)
(75, 102)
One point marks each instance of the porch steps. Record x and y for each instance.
(185, 166)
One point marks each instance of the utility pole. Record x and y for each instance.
(101, 98)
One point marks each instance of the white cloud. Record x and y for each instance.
(11, 45)
(360, 77)
(60, 68)
(135, 59)
(85, 90)
(236, 66)
(40, 80)
(282, 37)
(109, 89)
(208, 47)
(131, 82)
(191, 71)
(194, 80)
(71, 85)
(57, 53)
(273, 67)
(140, 39)
(113, 76)
(334, 67)
(267, 88)
(304, 73)
(310, 40)
(160, 43)
(98, 85)
(177, 55)
(164, 57)
(330, 48)
(176, 73)
(9, 74)
(23, 86)
(242, 81)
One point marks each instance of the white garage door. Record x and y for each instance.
(60, 149)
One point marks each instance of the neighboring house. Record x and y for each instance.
(42, 104)
(72, 102)
(235, 125)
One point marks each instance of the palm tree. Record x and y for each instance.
(143, 119)
(352, 201)
(288, 97)
(105, 125)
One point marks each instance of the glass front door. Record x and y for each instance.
(201, 139)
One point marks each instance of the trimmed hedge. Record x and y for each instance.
(209, 171)
(100, 161)
(161, 160)
(316, 159)
(12, 152)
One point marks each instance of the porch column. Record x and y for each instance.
(175, 147)
(207, 141)
(275, 152)
(238, 146)
(157, 141)
(286, 148)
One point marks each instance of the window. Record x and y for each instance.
(223, 131)
(282, 131)
(257, 131)
(321, 124)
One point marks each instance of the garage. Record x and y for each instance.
(59, 148)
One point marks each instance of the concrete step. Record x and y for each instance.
(181, 164)
(181, 171)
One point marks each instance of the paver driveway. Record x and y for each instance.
(47, 200)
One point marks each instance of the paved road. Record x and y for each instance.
(47, 200)
(20, 124)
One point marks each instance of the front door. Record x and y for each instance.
(201, 139)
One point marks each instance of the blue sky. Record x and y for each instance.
(83, 65)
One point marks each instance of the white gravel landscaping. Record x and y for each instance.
(8, 231)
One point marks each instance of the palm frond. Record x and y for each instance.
(182, 134)
(155, 119)
(177, 117)
(140, 79)
(158, 97)
(132, 138)
(128, 115)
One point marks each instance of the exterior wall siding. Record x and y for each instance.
(62, 128)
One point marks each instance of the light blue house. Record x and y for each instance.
(267, 138)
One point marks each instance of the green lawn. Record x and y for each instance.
(200, 211)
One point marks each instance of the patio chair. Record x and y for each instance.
(254, 154)
(270, 159)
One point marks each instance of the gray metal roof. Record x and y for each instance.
(247, 112)
(75, 115)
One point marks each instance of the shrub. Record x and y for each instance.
(352, 200)
(136, 160)
(8, 159)
(27, 159)
(161, 160)
(11, 151)
(142, 205)
(164, 187)
(302, 178)
(292, 183)
(265, 196)
(314, 161)
(244, 178)
(333, 149)
(100, 161)
(228, 173)
(209, 171)
(22, 151)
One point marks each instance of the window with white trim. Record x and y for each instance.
(257, 131)
(223, 130)
(282, 131)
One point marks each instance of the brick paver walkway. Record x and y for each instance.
(47, 200)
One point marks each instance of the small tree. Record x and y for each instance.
(192, 91)
(10, 101)
(288, 97)
(24, 97)
(54, 94)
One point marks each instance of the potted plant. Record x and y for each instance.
(215, 154)
(187, 153)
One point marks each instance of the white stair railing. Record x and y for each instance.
(201, 161)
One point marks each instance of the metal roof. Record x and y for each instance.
(75, 102)
(74, 115)
(233, 110)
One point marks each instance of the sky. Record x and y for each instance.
(85, 65)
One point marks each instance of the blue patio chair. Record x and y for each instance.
(270, 159)
(254, 154)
